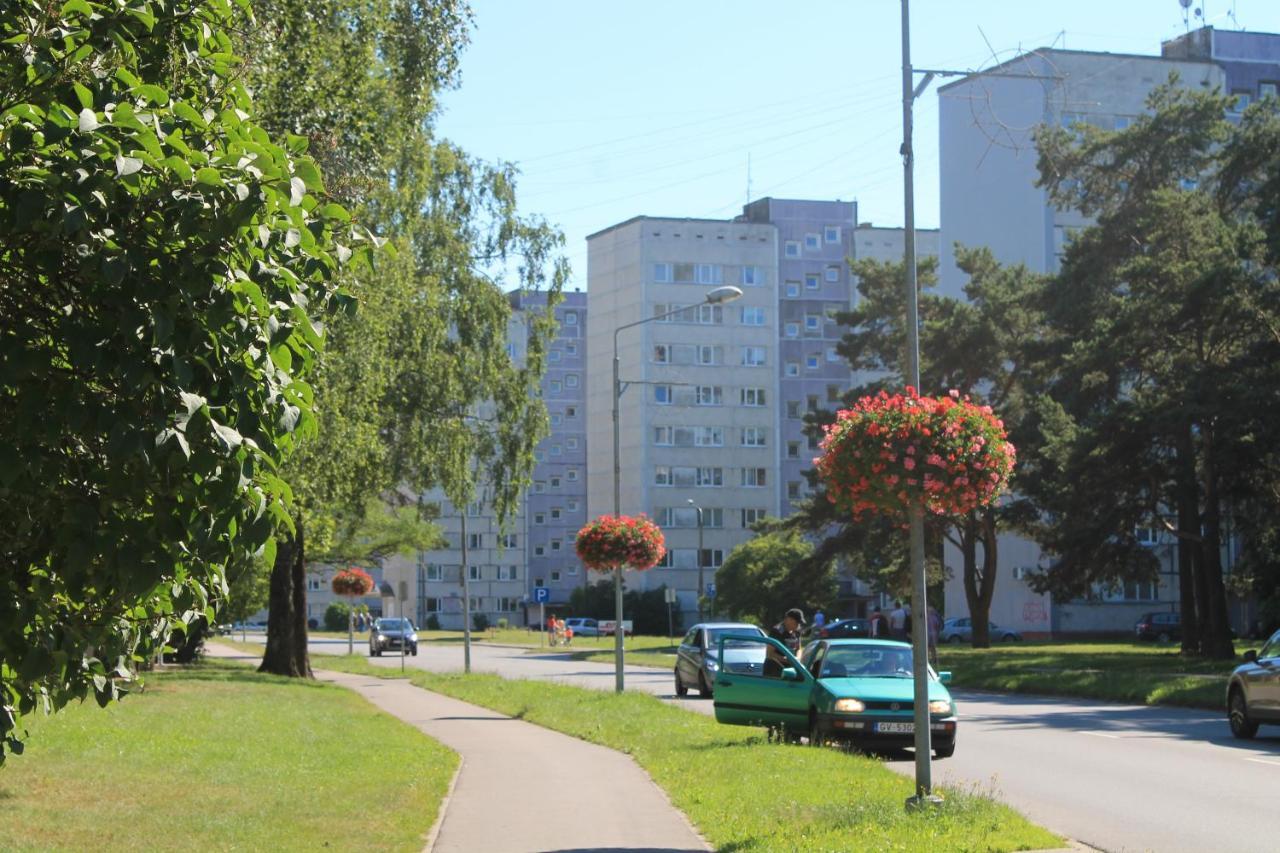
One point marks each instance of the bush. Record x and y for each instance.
(433, 622)
(336, 616)
(503, 624)
(480, 621)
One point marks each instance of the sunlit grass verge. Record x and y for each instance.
(742, 793)
(1136, 673)
(219, 757)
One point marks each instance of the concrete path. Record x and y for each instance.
(522, 788)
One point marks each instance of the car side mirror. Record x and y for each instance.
(790, 673)
(1251, 656)
(944, 677)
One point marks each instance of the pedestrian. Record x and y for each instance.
(876, 625)
(935, 630)
(819, 621)
(551, 629)
(786, 632)
(560, 632)
(897, 621)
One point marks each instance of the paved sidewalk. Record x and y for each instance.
(525, 789)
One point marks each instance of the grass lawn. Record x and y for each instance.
(219, 757)
(742, 793)
(1138, 673)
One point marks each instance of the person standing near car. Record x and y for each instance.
(898, 621)
(819, 622)
(786, 632)
(934, 625)
(876, 623)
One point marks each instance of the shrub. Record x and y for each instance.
(503, 624)
(336, 616)
(433, 622)
(480, 621)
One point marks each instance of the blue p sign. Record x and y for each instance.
(541, 594)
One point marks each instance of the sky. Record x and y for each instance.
(618, 108)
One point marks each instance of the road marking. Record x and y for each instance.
(1102, 734)
(1264, 761)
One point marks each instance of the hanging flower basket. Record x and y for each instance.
(352, 583)
(614, 542)
(889, 452)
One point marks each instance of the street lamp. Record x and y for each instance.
(701, 581)
(716, 296)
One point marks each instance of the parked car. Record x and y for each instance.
(1253, 692)
(843, 628)
(699, 657)
(857, 691)
(960, 630)
(392, 634)
(582, 626)
(1161, 626)
(606, 627)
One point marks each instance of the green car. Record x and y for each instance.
(856, 691)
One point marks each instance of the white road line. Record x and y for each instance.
(1102, 734)
(1264, 761)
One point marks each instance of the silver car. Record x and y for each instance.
(697, 659)
(1253, 693)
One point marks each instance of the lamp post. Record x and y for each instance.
(466, 597)
(702, 585)
(717, 296)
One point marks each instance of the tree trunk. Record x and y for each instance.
(286, 652)
(979, 585)
(1215, 640)
(1187, 501)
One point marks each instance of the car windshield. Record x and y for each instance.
(393, 624)
(867, 660)
(714, 635)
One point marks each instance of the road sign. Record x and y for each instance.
(671, 595)
(711, 590)
(541, 594)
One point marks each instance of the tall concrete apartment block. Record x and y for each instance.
(555, 507)
(699, 421)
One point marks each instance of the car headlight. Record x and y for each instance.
(939, 706)
(712, 665)
(850, 706)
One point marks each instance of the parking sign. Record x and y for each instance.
(541, 594)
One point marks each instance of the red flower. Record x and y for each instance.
(608, 542)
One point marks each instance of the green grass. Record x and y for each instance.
(1138, 673)
(742, 793)
(220, 757)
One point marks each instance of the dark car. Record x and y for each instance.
(843, 629)
(1162, 626)
(1253, 693)
(392, 634)
(698, 658)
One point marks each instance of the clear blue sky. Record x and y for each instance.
(615, 108)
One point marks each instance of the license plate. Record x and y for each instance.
(896, 728)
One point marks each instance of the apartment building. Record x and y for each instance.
(698, 419)
(989, 198)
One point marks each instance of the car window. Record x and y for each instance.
(714, 635)
(691, 639)
(1272, 648)
(867, 660)
(813, 659)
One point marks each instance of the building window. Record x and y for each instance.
(751, 515)
(709, 315)
(571, 380)
(662, 395)
(557, 450)
(662, 273)
(793, 406)
(554, 355)
(435, 573)
(752, 316)
(571, 348)
(1240, 101)
(754, 436)
(682, 273)
(555, 482)
(508, 573)
(753, 397)
(812, 323)
(555, 576)
(710, 477)
(812, 362)
(791, 330)
(753, 356)
(813, 242)
(539, 551)
(537, 582)
(1267, 89)
(571, 318)
(571, 475)
(833, 355)
(811, 281)
(571, 443)
(539, 518)
(710, 274)
(556, 420)
(313, 584)
(710, 395)
(793, 289)
(709, 355)
(539, 486)
(751, 277)
(554, 385)
(833, 393)
(556, 512)
(662, 475)
(831, 233)
(573, 505)
(755, 477)
(712, 557)
(556, 544)
(473, 573)
(708, 437)
(475, 540)
(684, 475)
(433, 605)
(793, 489)
(662, 436)
(793, 450)
(793, 368)
(791, 249)
(832, 273)
(570, 411)
(661, 354)
(812, 402)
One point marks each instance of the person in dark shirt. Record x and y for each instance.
(786, 632)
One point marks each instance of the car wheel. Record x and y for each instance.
(944, 750)
(954, 639)
(1238, 715)
(414, 651)
(1163, 638)
(704, 689)
(1009, 638)
(681, 690)
(817, 737)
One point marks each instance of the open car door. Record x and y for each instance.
(762, 692)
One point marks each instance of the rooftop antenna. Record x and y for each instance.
(1186, 13)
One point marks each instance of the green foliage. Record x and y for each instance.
(164, 263)
(769, 573)
(247, 584)
(503, 623)
(433, 622)
(336, 616)
(647, 611)
(480, 621)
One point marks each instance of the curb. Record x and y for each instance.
(434, 833)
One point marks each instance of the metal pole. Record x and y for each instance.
(618, 677)
(702, 581)
(351, 627)
(466, 598)
(919, 604)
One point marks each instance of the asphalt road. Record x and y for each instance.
(1116, 777)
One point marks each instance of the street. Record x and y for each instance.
(1116, 777)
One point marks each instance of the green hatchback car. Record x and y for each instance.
(856, 691)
